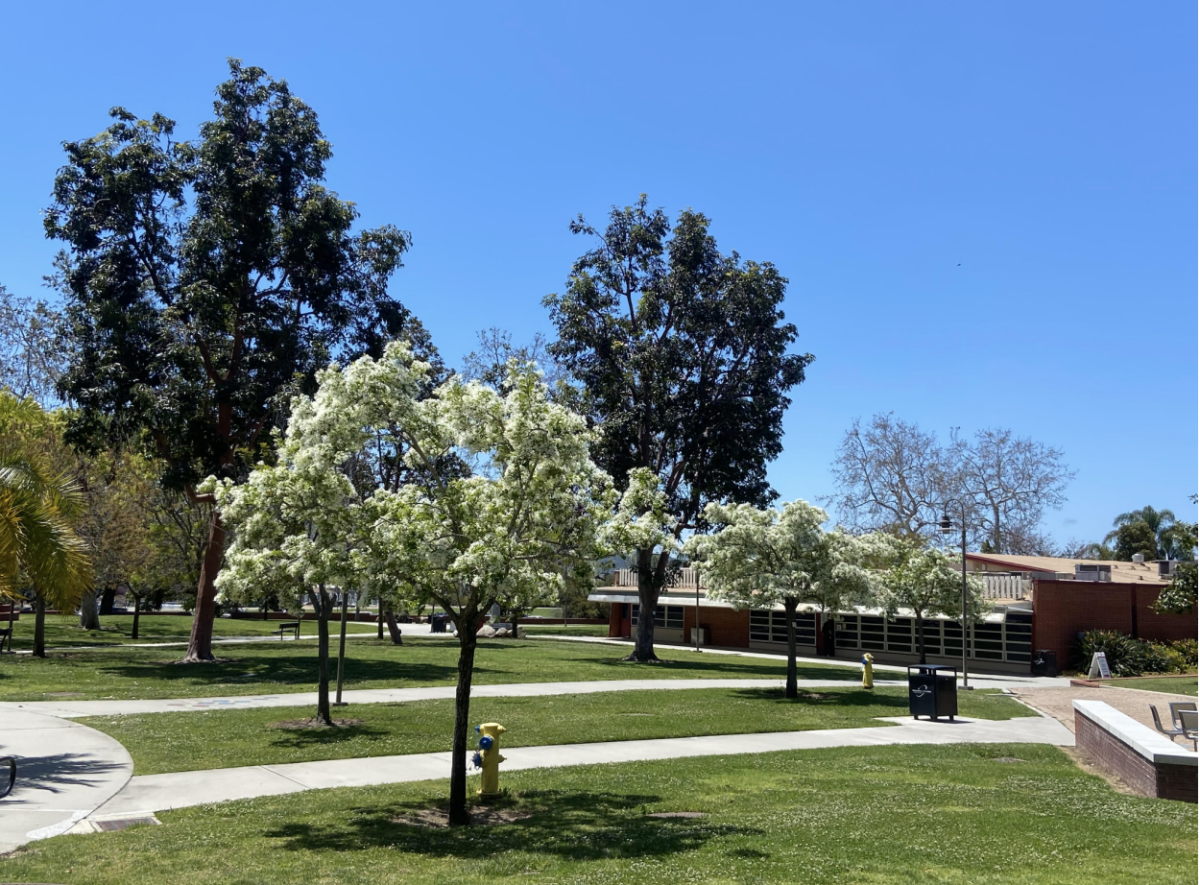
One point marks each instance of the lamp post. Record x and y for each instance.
(946, 527)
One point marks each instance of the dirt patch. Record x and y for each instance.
(1007, 759)
(438, 818)
(63, 694)
(1085, 763)
(816, 696)
(297, 724)
(670, 815)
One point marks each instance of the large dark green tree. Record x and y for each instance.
(682, 355)
(206, 279)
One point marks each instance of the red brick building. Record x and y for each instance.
(1037, 603)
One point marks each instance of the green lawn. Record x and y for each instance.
(161, 742)
(1170, 684)
(63, 631)
(275, 667)
(994, 814)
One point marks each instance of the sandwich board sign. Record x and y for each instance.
(1099, 666)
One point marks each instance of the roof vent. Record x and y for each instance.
(1166, 568)
(1092, 572)
(1139, 557)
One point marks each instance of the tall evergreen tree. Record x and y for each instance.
(682, 355)
(205, 279)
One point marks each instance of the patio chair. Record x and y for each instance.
(1173, 732)
(1177, 706)
(1188, 722)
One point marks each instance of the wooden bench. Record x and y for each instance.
(292, 627)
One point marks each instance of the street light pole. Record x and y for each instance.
(945, 526)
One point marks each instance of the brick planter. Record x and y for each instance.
(1147, 761)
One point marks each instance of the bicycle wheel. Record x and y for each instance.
(6, 783)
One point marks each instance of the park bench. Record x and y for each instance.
(292, 627)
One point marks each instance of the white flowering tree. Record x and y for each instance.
(763, 558)
(296, 523)
(925, 581)
(497, 499)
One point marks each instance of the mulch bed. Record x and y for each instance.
(437, 818)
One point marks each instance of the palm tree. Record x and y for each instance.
(1159, 521)
(38, 547)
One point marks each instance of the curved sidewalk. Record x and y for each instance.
(162, 792)
(65, 771)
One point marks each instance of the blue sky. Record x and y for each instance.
(867, 149)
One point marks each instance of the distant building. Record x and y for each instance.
(1038, 602)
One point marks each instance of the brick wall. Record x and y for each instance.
(1139, 773)
(1061, 609)
(614, 620)
(729, 628)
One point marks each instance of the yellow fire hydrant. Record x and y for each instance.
(868, 668)
(490, 758)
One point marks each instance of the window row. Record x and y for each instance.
(1009, 640)
(771, 626)
(667, 616)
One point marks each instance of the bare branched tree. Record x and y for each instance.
(889, 478)
(893, 477)
(1011, 481)
(32, 348)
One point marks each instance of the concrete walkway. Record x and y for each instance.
(64, 772)
(76, 709)
(162, 792)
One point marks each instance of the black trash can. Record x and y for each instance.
(932, 691)
(1045, 662)
(437, 623)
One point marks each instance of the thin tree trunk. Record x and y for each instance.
(137, 613)
(379, 635)
(467, 628)
(393, 628)
(89, 617)
(791, 689)
(323, 714)
(342, 645)
(39, 625)
(200, 643)
(516, 622)
(643, 638)
(920, 639)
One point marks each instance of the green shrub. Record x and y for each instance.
(1133, 657)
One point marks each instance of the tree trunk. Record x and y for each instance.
(323, 714)
(920, 639)
(515, 620)
(137, 613)
(643, 638)
(200, 643)
(342, 645)
(393, 627)
(89, 617)
(467, 628)
(39, 625)
(791, 689)
(379, 620)
(107, 599)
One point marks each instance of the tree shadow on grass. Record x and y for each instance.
(290, 669)
(570, 825)
(320, 736)
(730, 669)
(828, 698)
